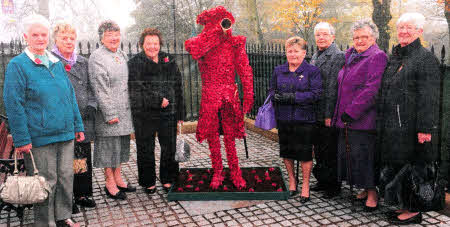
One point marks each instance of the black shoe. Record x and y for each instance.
(329, 194)
(293, 193)
(304, 199)
(67, 223)
(167, 189)
(150, 191)
(392, 214)
(417, 219)
(119, 195)
(318, 187)
(85, 202)
(129, 188)
(370, 209)
(75, 209)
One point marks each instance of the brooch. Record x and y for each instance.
(117, 59)
(300, 77)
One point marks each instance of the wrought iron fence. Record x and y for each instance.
(263, 59)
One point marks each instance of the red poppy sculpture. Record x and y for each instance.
(220, 55)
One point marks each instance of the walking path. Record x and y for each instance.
(141, 209)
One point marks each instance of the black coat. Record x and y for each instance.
(408, 104)
(150, 82)
(329, 62)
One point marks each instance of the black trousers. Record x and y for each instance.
(82, 182)
(325, 153)
(145, 132)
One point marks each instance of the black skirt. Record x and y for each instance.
(296, 140)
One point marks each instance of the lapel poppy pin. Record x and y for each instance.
(38, 61)
(166, 59)
(68, 67)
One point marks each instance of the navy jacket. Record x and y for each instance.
(306, 83)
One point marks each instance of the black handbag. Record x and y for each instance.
(428, 194)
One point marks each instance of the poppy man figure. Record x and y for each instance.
(220, 55)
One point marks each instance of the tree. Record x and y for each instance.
(298, 17)
(251, 18)
(381, 16)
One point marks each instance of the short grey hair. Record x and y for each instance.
(325, 25)
(366, 23)
(34, 19)
(415, 18)
(106, 26)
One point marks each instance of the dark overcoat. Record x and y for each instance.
(79, 77)
(329, 63)
(150, 82)
(408, 104)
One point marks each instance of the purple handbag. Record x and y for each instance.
(266, 115)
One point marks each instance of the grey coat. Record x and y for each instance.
(329, 62)
(108, 73)
(79, 77)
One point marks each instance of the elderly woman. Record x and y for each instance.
(157, 104)
(108, 73)
(358, 84)
(296, 86)
(330, 59)
(77, 69)
(408, 118)
(44, 117)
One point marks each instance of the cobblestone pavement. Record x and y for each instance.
(141, 209)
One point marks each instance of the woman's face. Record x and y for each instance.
(37, 38)
(295, 54)
(363, 39)
(65, 42)
(407, 33)
(151, 46)
(111, 40)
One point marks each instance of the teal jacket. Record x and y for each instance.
(40, 102)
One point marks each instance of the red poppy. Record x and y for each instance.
(225, 188)
(268, 178)
(68, 67)
(166, 59)
(279, 190)
(38, 61)
(251, 190)
(271, 169)
(197, 189)
(180, 189)
(200, 182)
(274, 184)
(189, 186)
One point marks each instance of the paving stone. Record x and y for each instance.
(141, 209)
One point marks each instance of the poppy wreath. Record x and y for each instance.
(220, 55)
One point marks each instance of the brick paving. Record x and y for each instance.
(141, 209)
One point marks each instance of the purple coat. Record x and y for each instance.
(306, 83)
(358, 84)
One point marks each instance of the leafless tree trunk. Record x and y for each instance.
(447, 16)
(381, 17)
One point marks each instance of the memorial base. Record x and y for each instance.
(263, 183)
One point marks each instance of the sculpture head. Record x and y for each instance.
(217, 17)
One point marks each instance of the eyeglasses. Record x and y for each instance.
(407, 28)
(362, 38)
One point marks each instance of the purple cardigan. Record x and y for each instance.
(306, 83)
(358, 84)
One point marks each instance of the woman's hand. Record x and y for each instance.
(79, 136)
(423, 137)
(24, 149)
(164, 103)
(284, 98)
(328, 122)
(113, 121)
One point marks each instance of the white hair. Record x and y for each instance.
(325, 25)
(415, 18)
(34, 19)
(366, 23)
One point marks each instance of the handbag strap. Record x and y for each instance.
(16, 171)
